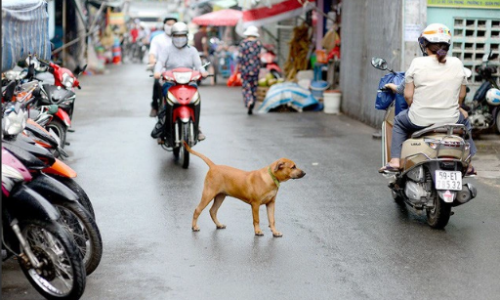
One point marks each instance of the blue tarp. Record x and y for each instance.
(25, 30)
(288, 93)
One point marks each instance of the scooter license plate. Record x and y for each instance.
(448, 180)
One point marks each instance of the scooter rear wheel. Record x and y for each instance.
(439, 216)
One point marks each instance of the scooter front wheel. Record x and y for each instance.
(60, 130)
(62, 273)
(184, 153)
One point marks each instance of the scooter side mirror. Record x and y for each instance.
(487, 56)
(78, 71)
(379, 63)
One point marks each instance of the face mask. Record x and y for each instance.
(168, 29)
(179, 42)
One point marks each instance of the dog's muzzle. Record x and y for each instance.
(299, 175)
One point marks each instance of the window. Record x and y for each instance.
(472, 39)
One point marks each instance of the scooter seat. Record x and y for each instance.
(456, 129)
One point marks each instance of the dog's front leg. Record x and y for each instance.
(270, 215)
(256, 221)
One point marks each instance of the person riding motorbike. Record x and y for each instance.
(158, 44)
(435, 87)
(177, 55)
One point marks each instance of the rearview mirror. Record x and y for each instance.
(487, 56)
(379, 63)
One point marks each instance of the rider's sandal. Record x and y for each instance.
(471, 172)
(389, 169)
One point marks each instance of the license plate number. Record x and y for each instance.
(448, 180)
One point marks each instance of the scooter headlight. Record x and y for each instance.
(171, 98)
(15, 122)
(183, 77)
(67, 80)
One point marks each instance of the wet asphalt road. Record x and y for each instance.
(344, 237)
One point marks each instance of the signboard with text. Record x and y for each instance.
(486, 4)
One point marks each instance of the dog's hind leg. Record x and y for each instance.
(215, 207)
(206, 197)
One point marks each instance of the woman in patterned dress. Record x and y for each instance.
(249, 65)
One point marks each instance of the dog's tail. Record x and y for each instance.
(205, 159)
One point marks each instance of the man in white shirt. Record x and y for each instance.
(158, 45)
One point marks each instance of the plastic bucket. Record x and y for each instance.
(332, 102)
(317, 88)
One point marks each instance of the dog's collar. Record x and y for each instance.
(273, 177)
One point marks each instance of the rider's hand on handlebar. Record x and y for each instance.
(392, 87)
(157, 75)
(204, 74)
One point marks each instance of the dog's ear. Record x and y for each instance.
(279, 165)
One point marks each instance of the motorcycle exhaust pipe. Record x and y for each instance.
(467, 193)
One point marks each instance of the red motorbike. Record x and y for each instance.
(57, 88)
(180, 116)
(269, 60)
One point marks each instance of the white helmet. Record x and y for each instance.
(180, 28)
(434, 33)
(251, 31)
(493, 97)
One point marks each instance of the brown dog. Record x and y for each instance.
(255, 188)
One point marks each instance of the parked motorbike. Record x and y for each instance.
(55, 167)
(60, 93)
(32, 233)
(56, 88)
(182, 107)
(434, 161)
(74, 216)
(484, 111)
(269, 60)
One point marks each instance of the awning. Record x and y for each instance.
(224, 3)
(275, 11)
(225, 17)
(110, 3)
(25, 30)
